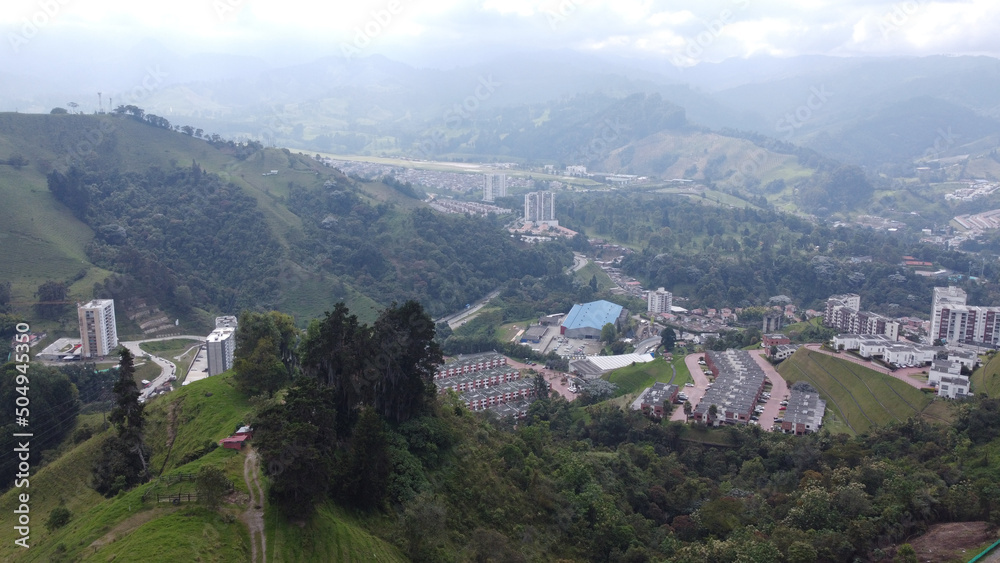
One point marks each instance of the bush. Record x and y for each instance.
(58, 518)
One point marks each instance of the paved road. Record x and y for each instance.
(167, 368)
(779, 390)
(694, 393)
(455, 320)
(579, 261)
(900, 374)
(552, 376)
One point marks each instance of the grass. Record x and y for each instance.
(586, 273)
(168, 349)
(986, 379)
(856, 395)
(634, 379)
(147, 370)
(331, 534)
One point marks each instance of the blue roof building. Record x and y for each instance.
(587, 320)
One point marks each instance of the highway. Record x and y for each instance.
(455, 320)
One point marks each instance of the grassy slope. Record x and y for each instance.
(855, 394)
(634, 379)
(586, 273)
(986, 379)
(40, 240)
(125, 528)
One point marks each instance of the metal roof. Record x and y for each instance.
(595, 314)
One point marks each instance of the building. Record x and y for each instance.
(540, 208)
(782, 351)
(954, 387)
(776, 339)
(842, 313)
(954, 322)
(654, 399)
(772, 321)
(804, 413)
(587, 320)
(220, 346)
(941, 369)
(98, 331)
(470, 364)
(534, 334)
(738, 385)
(659, 301)
(576, 170)
(494, 186)
(223, 322)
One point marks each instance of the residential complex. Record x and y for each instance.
(654, 399)
(587, 320)
(494, 186)
(485, 381)
(738, 385)
(221, 345)
(540, 207)
(843, 314)
(804, 413)
(954, 322)
(98, 332)
(659, 301)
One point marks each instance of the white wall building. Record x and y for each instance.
(954, 322)
(540, 207)
(659, 301)
(494, 186)
(98, 331)
(221, 346)
(955, 386)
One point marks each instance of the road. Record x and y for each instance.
(647, 345)
(167, 368)
(579, 262)
(779, 390)
(457, 319)
(553, 377)
(694, 393)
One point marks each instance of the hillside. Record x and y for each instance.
(858, 398)
(196, 228)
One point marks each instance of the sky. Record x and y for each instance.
(443, 33)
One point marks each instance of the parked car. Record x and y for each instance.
(689, 384)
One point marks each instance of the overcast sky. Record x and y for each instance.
(447, 32)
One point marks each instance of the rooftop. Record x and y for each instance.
(595, 314)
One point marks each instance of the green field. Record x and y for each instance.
(856, 395)
(586, 273)
(986, 379)
(633, 379)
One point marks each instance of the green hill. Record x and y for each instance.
(860, 397)
(199, 227)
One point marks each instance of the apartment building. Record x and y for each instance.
(98, 331)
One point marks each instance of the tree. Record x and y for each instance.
(906, 554)
(211, 485)
(58, 517)
(668, 339)
(58, 110)
(5, 296)
(608, 333)
(265, 351)
(687, 409)
(593, 282)
(296, 440)
(51, 297)
(713, 412)
(123, 462)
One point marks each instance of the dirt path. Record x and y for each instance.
(254, 515)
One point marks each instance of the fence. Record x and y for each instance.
(989, 550)
(175, 498)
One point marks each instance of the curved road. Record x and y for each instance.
(900, 374)
(167, 368)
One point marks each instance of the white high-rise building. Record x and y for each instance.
(952, 321)
(98, 332)
(494, 186)
(540, 207)
(221, 347)
(660, 301)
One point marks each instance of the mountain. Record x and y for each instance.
(114, 206)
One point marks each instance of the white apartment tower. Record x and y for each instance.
(98, 332)
(952, 321)
(659, 301)
(494, 186)
(540, 207)
(220, 347)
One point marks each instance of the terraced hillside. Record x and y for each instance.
(857, 397)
